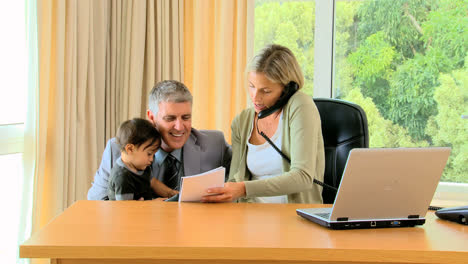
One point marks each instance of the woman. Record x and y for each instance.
(258, 172)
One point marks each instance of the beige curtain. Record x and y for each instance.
(215, 53)
(97, 62)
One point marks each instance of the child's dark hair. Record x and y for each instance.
(136, 131)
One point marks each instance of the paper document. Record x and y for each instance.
(194, 187)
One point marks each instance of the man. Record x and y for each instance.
(184, 150)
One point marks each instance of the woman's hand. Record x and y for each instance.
(229, 193)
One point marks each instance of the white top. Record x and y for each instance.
(264, 162)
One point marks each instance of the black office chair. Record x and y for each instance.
(344, 127)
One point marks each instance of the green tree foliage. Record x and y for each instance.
(411, 101)
(345, 40)
(400, 20)
(290, 24)
(447, 128)
(445, 30)
(403, 46)
(372, 64)
(445, 44)
(382, 132)
(373, 59)
(389, 34)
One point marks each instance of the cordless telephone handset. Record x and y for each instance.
(289, 90)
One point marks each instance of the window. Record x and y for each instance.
(403, 61)
(14, 66)
(12, 169)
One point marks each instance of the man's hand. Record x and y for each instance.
(173, 192)
(161, 189)
(229, 193)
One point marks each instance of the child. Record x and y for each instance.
(131, 175)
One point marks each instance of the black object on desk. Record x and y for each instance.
(455, 214)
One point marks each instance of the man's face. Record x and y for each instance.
(174, 122)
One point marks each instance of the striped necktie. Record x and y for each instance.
(171, 172)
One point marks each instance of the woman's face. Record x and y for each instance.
(263, 92)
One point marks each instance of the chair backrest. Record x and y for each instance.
(344, 127)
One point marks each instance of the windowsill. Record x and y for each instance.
(450, 194)
(448, 203)
(11, 138)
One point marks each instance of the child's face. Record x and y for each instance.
(143, 155)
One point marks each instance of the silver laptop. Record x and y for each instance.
(383, 187)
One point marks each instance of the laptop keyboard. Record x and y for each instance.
(324, 215)
(320, 212)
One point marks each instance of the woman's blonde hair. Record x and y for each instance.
(278, 64)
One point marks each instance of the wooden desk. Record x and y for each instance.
(161, 232)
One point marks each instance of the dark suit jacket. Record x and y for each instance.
(204, 150)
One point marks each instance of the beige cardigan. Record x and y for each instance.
(302, 141)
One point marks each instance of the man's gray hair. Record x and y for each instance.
(168, 91)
